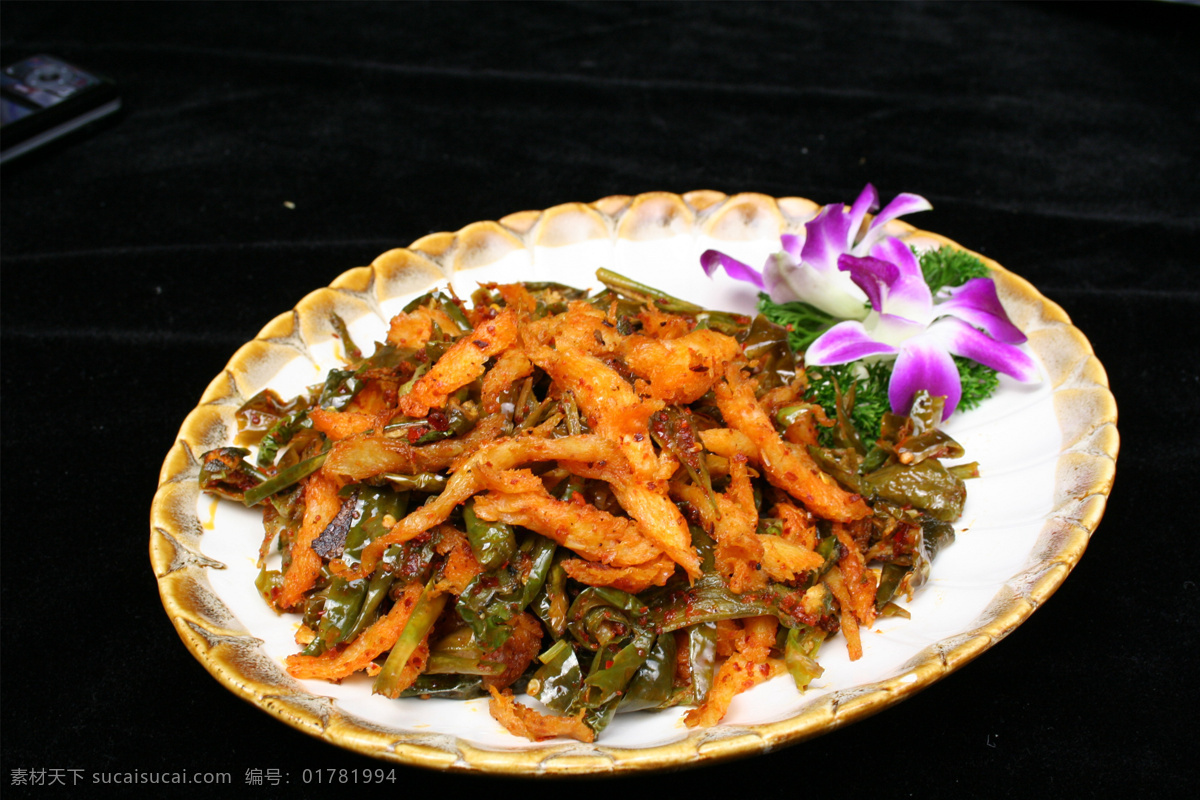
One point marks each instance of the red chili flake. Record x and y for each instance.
(438, 419)
(608, 664)
(481, 344)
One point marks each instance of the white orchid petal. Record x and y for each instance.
(893, 329)
(845, 342)
(833, 293)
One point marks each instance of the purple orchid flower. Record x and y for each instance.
(905, 321)
(807, 270)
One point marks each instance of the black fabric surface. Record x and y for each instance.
(265, 148)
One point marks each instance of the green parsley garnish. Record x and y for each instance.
(947, 266)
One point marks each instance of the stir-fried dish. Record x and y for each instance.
(609, 503)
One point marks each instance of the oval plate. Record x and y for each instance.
(1047, 455)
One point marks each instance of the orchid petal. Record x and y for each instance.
(891, 329)
(834, 293)
(977, 303)
(923, 363)
(711, 259)
(901, 204)
(792, 244)
(778, 274)
(961, 339)
(907, 295)
(845, 342)
(872, 275)
(868, 200)
(828, 237)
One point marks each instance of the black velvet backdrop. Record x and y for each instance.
(266, 148)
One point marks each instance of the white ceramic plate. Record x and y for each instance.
(1047, 455)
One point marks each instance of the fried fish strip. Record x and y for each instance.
(410, 330)
(511, 367)
(739, 553)
(646, 502)
(366, 455)
(321, 505)
(783, 560)
(632, 579)
(745, 669)
(460, 566)
(594, 534)
(661, 325)
(461, 364)
(680, 371)
(582, 329)
(607, 400)
(499, 454)
(334, 665)
(799, 526)
(787, 466)
(338, 425)
(524, 721)
(728, 443)
(849, 623)
(860, 582)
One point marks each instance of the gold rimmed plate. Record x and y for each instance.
(1047, 454)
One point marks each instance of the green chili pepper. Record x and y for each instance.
(800, 654)
(349, 605)
(701, 643)
(766, 344)
(292, 475)
(558, 682)
(424, 614)
(551, 603)
(493, 543)
(446, 687)
(927, 486)
(653, 684)
(721, 321)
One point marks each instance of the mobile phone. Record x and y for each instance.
(44, 98)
